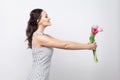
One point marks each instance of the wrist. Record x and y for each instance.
(88, 46)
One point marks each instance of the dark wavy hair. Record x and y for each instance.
(32, 25)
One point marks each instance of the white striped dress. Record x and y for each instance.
(41, 62)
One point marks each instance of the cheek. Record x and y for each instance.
(42, 21)
(45, 21)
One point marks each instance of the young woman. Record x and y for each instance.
(42, 44)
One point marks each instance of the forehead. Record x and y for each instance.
(44, 13)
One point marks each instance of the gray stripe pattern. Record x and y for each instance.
(41, 62)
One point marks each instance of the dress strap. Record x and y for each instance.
(39, 33)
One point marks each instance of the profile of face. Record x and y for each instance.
(44, 20)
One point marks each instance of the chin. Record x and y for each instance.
(49, 24)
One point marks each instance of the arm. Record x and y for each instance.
(49, 41)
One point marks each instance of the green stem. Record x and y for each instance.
(92, 39)
(95, 56)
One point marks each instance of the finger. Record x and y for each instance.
(94, 43)
(94, 48)
(88, 43)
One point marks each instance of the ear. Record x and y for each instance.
(38, 20)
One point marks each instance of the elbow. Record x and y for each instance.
(67, 46)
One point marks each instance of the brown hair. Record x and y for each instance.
(32, 25)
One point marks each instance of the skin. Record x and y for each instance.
(49, 41)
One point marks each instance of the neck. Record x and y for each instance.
(40, 28)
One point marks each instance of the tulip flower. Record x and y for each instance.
(94, 30)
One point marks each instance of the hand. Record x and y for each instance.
(92, 46)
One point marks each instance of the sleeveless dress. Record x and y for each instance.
(41, 62)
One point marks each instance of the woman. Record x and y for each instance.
(42, 44)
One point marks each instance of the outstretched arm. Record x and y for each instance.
(49, 41)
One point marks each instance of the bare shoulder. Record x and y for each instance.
(48, 35)
(44, 37)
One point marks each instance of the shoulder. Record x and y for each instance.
(44, 37)
(48, 35)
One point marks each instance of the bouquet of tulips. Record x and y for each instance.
(94, 30)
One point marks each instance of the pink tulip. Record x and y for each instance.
(100, 29)
(94, 30)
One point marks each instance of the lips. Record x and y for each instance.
(48, 21)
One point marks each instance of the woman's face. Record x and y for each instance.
(45, 20)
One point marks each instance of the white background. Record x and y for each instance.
(71, 20)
